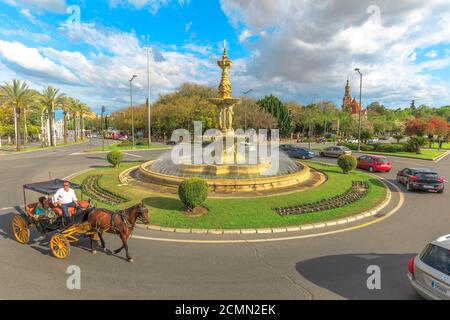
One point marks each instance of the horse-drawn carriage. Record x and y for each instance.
(63, 235)
(88, 221)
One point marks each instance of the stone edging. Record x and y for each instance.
(321, 225)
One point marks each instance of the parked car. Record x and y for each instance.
(335, 152)
(374, 140)
(352, 141)
(286, 147)
(429, 272)
(250, 147)
(374, 163)
(300, 153)
(172, 143)
(421, 179)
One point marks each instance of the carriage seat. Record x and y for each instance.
(59, 212)
(31, 207)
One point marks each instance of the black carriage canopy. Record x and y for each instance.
(49, 187)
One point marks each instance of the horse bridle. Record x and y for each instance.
(139, 216)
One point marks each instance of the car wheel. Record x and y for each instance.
(371, 170)
(441, 191)
(303, 157)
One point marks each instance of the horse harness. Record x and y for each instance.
(124, 220)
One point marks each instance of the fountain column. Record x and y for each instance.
(225, 104)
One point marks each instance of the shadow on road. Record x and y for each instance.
(347, 275)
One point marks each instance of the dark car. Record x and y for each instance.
(421, 179)
(286, 147)
(300, 153)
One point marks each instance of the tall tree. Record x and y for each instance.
(51, 97)
(280, 111)
(18, 96)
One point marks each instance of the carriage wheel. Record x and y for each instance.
(60, 246)
(20, 229)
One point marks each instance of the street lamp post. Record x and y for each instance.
(103, 128)
(132, 109)
(360, 108)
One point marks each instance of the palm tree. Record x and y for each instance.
(66, 105)
(51, 98)
(84, 110)
(18, 96)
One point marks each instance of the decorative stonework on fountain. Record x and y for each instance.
(232, 171)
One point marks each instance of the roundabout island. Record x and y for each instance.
(265, 191)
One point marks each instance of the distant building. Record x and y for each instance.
(351, 105)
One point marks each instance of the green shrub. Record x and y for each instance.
(126, 143)
(115, 158)
(347, 163)
(193, 192)
(390, 148)
(415, 144)
(367, 147)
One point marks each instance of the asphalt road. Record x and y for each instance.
(331, 266)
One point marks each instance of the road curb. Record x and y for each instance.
(320, 225)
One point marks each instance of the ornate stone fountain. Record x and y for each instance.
(232, 173)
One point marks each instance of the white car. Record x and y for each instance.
(250, 147)
(429, 272)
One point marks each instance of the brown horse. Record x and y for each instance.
(121, 223)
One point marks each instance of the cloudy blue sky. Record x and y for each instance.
(302, 50)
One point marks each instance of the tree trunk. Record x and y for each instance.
(75, 127)
(50, 118)
(65, 127)
(17, 125)
(25, 132)
(82, 127)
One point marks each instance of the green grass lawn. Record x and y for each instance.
(246, 213)
(117, 146)
(426, 154)
(445, 146)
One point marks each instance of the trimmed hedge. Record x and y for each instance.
(347, 163)
(115, 158)
(193, 192)
(378, 147)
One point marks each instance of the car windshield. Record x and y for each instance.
(382, 160)
(438, 258)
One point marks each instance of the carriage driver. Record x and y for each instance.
(66, 198)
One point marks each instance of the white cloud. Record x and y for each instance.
(30, 61)
(100, 76)
(432, 54)
(152, 5)
(313, 46)
(39, 5)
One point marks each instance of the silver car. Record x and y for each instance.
(429, 272)
(335, 152)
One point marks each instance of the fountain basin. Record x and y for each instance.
(220, 184)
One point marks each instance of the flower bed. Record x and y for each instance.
(92, 188)
(358, 190)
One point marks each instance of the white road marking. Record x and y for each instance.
(443, 157)
(7, 208)
(133, 155)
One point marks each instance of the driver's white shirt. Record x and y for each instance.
(64, 197)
